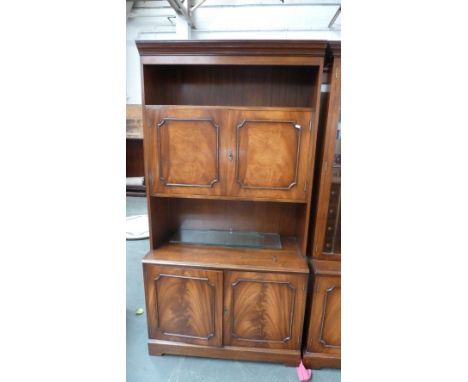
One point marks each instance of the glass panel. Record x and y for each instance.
(332, 242)
(227, 238)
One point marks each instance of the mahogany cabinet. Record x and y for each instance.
(326, 234)
(323, 344)
(230, 131)
(326, 332)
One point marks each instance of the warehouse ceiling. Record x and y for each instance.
(205, 19)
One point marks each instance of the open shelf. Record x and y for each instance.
(286, 259)
(279, 220)
(230, 85)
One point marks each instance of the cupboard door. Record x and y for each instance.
(183, 150)
(272, 151)
(184, 305)
(325, 321)
(264, 309)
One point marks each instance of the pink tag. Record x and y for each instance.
(303, 374)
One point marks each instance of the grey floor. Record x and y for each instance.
(141, 367)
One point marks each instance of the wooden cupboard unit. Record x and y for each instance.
(326, 235)
(229, 143)
(323, 344)
(324, 334)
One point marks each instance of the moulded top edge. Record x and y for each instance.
(232, 47)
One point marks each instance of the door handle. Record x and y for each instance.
(230, 156)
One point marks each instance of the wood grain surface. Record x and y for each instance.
(264, 309)
(184, 304)
(288, 259)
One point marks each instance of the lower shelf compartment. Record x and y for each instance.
(288, 357)
(242, 239)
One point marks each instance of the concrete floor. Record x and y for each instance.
(141, 367)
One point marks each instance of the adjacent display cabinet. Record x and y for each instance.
(230, 130)
(323, 345)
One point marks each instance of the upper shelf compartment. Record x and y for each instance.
(231, 85)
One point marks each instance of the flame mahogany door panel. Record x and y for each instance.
(270, 152)
(184, 305)
(263, 310)
(325, 323)
(184, 150)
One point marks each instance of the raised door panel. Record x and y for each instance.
(184, 305)
(272, 151)
(184, 150)
(325, 323)
(264, 310)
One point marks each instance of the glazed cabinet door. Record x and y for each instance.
(271, 151)
(325, 321)
(263, 310)
(182, 150)
(184, 305)
(327, 227)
